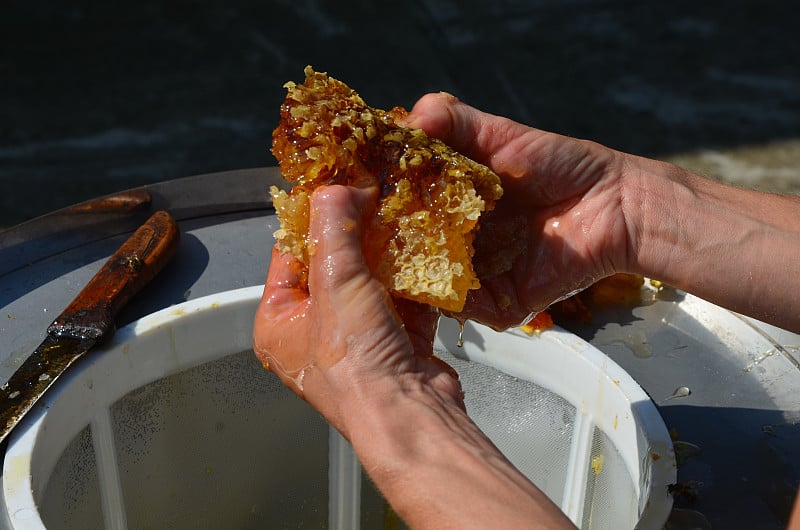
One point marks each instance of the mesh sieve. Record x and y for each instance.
(530, 425)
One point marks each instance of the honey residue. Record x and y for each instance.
(618, 290)
(597, 463)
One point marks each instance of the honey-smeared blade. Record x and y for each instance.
(420, 240)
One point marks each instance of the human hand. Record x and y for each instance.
(365, 362)
(340, 341)
(565, 195)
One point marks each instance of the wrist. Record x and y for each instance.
(654, 193)
(681, 223)
(385, 403)
(432, 462)
(734, 247)
(346, 394)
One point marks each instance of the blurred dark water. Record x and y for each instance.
(98, 97)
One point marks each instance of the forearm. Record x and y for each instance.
(734, 247)
(438, 469)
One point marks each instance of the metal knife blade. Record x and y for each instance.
(89, 318)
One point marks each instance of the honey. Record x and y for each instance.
(419, 243)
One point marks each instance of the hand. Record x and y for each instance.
(567, 193)
(341, 340)
(590, 211)
(365, 362)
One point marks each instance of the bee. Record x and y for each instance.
(684, 490)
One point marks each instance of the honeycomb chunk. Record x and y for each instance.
(420, 242)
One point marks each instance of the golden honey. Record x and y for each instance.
(420, 240)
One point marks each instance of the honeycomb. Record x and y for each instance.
(420, 241)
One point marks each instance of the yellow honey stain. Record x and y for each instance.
(598, 461)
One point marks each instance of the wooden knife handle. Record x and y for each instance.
(91, 314)
(122, 202)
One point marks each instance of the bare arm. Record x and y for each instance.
(735, 247)
(438, 469)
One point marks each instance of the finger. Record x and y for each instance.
(433, 115)
(340, 283)
(285, 286)
(474, 133)
(442, 377)
(284, 296)
(495, 305)
(337, 258)
(284, 271)
(420, 321)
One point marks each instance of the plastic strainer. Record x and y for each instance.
(174, 424)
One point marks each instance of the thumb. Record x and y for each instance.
(473, 133)
(335, 229)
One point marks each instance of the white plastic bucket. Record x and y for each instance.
(174, 424)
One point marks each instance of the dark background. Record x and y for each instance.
(102, 96)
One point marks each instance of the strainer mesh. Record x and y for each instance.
(611, 501)
(532, 426)
(69, 499)
(221, 445)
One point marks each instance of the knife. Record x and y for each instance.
(89, 318)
